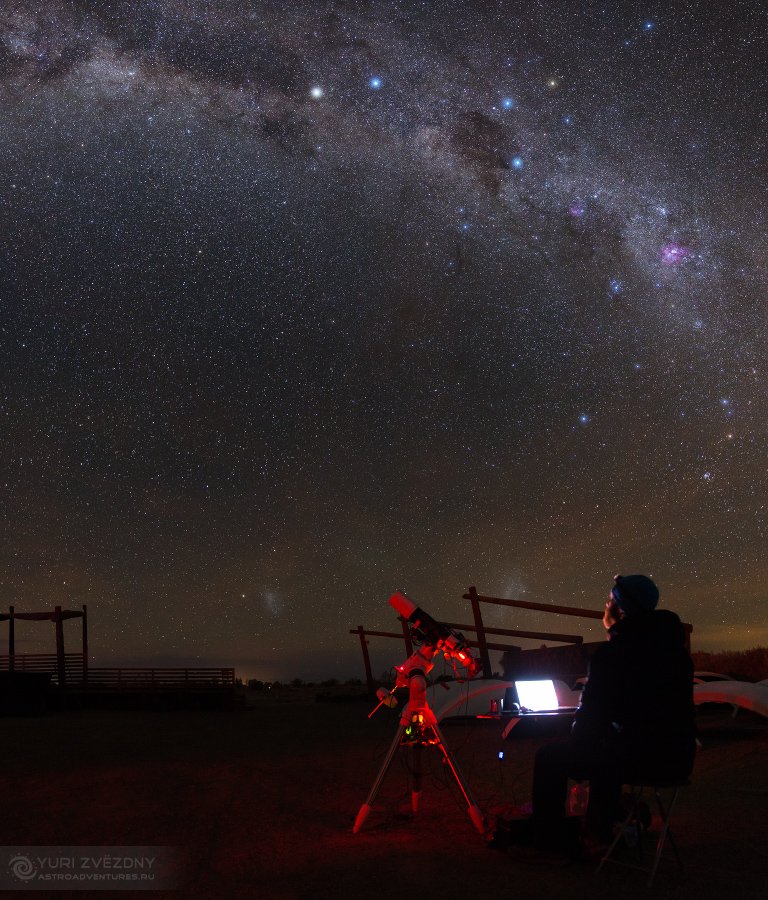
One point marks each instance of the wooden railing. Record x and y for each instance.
(46, 663)
(481, 630)
(137, 679)
(99, 678)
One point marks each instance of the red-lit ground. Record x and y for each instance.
(261, 801)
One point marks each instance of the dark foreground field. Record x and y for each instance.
(260, 802)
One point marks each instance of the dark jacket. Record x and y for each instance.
(638, 700)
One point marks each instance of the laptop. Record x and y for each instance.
(534, 698)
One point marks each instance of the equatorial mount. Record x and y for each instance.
(418, 725)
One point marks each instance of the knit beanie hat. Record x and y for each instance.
(635, 593)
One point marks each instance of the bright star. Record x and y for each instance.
(517, 162)
(507, 103)
(316, 92)
(375, 83)
(583, 418)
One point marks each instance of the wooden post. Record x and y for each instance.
(60, 660)
(481, 642)
(406, 638)
(11, 642)
(366, 659)
(85, 644)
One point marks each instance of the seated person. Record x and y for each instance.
(635, 722)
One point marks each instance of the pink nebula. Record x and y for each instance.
(673, 254)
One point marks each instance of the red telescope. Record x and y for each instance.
(435, 634)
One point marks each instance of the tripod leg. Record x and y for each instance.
(366, 807)
(416, 790)
(472, 808)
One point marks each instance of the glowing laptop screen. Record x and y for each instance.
(535, 695)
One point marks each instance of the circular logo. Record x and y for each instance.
(22, 868)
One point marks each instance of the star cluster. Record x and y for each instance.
(305, 303)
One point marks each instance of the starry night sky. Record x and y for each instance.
(303, 303)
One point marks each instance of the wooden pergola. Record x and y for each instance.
(57, 616)
(73, 669)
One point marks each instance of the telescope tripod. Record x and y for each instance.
(422, 731)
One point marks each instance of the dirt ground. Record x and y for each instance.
(260, 803)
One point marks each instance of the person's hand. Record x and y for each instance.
(611, 615)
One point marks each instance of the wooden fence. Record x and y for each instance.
(93, 678)
(47, 663)
(166, 679)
